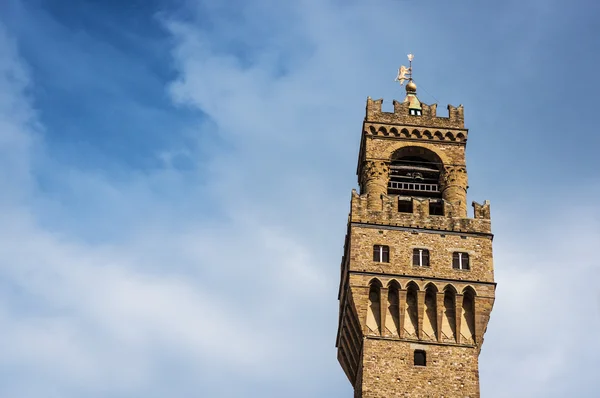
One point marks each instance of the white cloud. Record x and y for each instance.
(245, 299)
(545, 306)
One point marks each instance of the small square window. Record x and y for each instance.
(421, 257)
(405, 206)
(420, 358)
(381, 254)
(460, 260)
(436, 208)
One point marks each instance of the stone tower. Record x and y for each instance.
(417, 281)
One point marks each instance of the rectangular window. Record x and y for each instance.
(460, 260)
(436, 208)
(421, 257)
(381, 254)
(420, 358)
(405, 206)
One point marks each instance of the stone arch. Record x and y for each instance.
(392, 282)
(416, 133)
(467, 321)
(450, 136)
(392, 318)
(411, 311)
(438, 135)
(418, 151)
(469, 289)
(404, 133)
(449, 315)
(427, 134)
(450, 287)
(415, 170)
(383, 130)
(373, 130)
(374, 307)
(394, 131)
(460, 136)
(430, 312)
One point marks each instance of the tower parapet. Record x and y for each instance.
(428, 117)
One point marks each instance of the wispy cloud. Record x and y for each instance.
(214, 270)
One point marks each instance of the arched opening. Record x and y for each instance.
(411, 320)
(430, 319)
(374, 308)
(415, 171)
(449, 316)
(392, 319)
(467, 322)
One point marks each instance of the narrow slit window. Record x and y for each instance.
(460, 260)
(381, 254)
(420, 358)
(421, 257)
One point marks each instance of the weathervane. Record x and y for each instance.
(404, 71)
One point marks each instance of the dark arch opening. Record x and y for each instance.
(411, 319)
(415, 171)
(374, 308)
(392, 319)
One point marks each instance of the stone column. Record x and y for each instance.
(458, 315)
(375, 175)
(402, 307)
(440, 314)
(420, 312)
(383, 301)
(454, 189)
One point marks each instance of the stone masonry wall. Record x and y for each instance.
(440, 246)
(388, 371)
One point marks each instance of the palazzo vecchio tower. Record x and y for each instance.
(417, 278)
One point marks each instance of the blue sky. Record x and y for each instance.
(176, 178)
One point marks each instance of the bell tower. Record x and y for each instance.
(417, 282)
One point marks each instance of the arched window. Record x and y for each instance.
(374, 308)
(411, 319)
(430, 319)
(467, 322)
(415, 171)
(392, 318)
(449, 316)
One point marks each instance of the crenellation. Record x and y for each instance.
(401, 115)
(482, 211)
